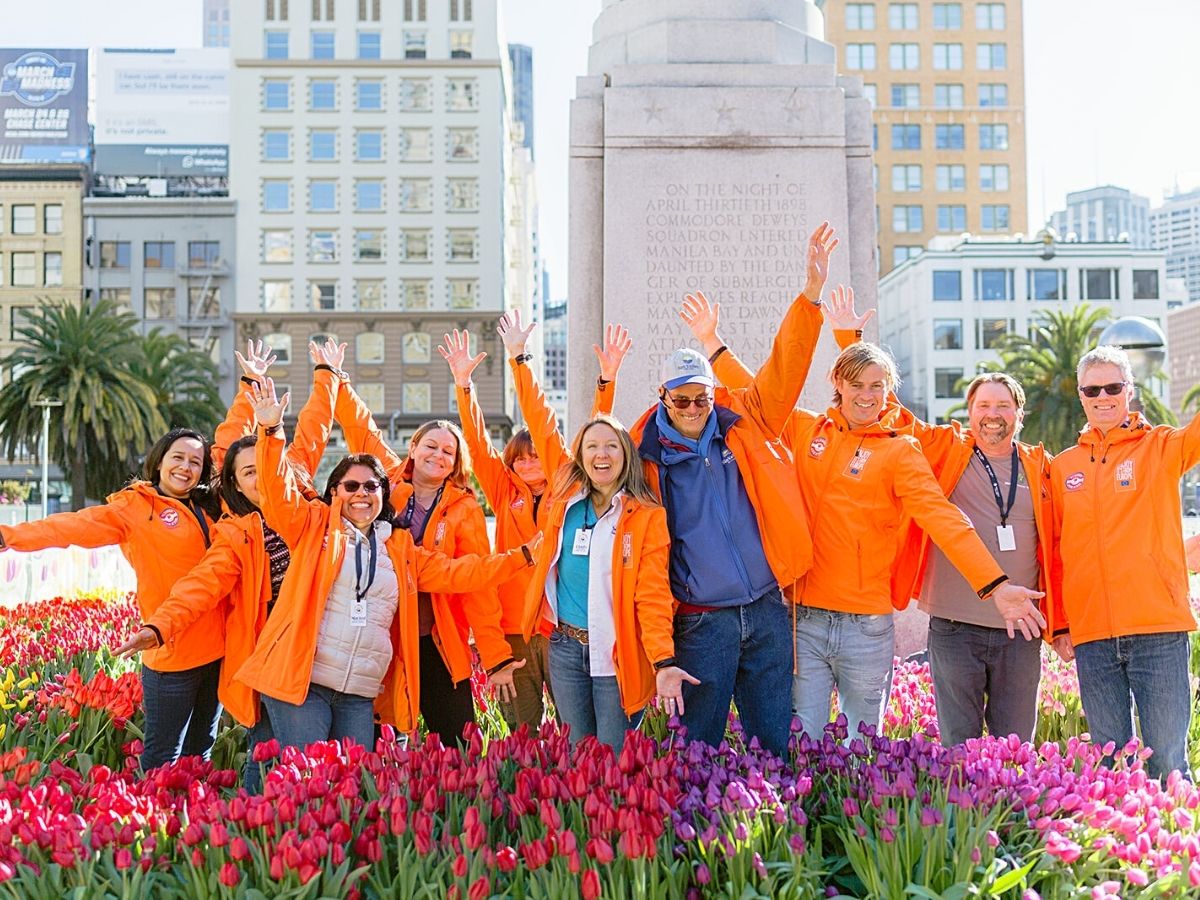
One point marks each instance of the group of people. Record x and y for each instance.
(728, 546)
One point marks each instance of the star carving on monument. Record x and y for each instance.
(654, 112)
(725, 114)
(794, 109)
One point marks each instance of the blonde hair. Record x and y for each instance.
(853, 361)
(462, 460)
(632, 480)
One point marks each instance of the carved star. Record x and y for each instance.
(654, 112)
(794, 109)
(725, 114)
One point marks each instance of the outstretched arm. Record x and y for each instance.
(610, 356)
(314, 424)
(539, 415)
(487, 463)
(281, 502)
(239, 421)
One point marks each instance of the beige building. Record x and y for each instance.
(948, 85)
(1183, 356)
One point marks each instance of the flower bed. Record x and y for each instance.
(521, 815)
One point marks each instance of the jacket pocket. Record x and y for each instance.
(275, 643)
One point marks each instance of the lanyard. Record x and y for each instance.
(410, 508)
(1005, 511)
(587, 508)
(360, 592)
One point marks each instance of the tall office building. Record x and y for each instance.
(1175, 229)
(216, 23)
(1105, 213)
(521, 58)
(948, 85)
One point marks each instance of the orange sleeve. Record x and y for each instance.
(602, 402)
(282, 503)
(203, 588)
(486, 462)
(482, 605)
(731, 371)
(652, 599)
(315, 423)
(438, 573)
(1057, 621)
(845, 337)
(1189, 444)
(362, 434)
(94, 526)
(541, 419)
(239, 422)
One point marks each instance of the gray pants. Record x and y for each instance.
(981, 675)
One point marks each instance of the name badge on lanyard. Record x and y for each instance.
(583, 536)
(1006, 536)
(358, 612)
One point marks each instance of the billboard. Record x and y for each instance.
(43, 106)
(162, 112)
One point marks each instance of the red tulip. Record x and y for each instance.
(230, 875)
(589, 884)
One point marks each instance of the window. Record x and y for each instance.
(948, 96)
(368, 294)
(871, 92)
(368, 10)
(158, 254)
(464, 292)
(416, 293)
(462, 194)
(368, 195)
(1145, 284)
(322, 44)
(368, 145)
(1098, 284)
(414, 245)
(276, 44)
(322, 295)
(368, 95)
(994, 284)
(204, 303)
(860, 16)
(947, 285)
(322, 195)
(947, 334)
(860, 56)
(952, 218)
(276, 195)
(417, 348)
(159, 303)
(993, 137)
(416, 195)
(947, 56)
(369, 347)
(276, 94)
(1047, 284)
(993, 177)
(276, 144)
(322, 145)
(990, 333)
(119, 297)
(462, 94)
(945, 382)
(906, 137)
(456, 6)
(989, 16)
(906, 96)
(277, 297)
(947, 16)
(463, 144)
(993, 95)
(368, 245)
(418, 398)
(906, 178)
(904, 56)
(462, 244)
(281, 345)
(318, 6)
(414, 10)
(52, 269)
(322, 94)
(461, 43)
(991, 57)
(277, 10)
(113, 255)
(414, 45)
(949, 137)
(994, 217)
(52, 222)
(902, 16)
(277, 245)
(322, 246)
(24, 218)
(904, 252)
(907, 219)
(369, 45)
(951, 178)
(415, 95)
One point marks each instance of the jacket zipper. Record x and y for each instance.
(728, 530)
(1099, 546)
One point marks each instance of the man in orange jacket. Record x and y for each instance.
(1119, 554)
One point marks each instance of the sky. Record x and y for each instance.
(1111, 87)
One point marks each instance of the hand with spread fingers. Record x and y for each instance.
(616, 344)
(511, 332)
(839, 310)
(821, 245)
(328, 354)
(258, 359)
(702, 318)
(456, 351)
(268, 409)
(1020, 614)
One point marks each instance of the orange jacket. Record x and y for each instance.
(643, 608)
(162, 540)
(281, 664)
(1118, 529)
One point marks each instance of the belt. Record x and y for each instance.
(691, 609)
(573, 632)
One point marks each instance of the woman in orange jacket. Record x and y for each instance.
(343, 641)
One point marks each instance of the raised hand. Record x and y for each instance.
(820, 245)
(839, 310)
(328, 354)
(456, 351)
(702, 317)
(1016, 605)
(514, 336)
(616, 345)
(257, 361)
(268, 409)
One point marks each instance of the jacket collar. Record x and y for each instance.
(649, 444)
(1134, 427)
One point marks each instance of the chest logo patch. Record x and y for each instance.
(726, 456)
(519, 503)
(817, 447)
(169, 517)
(1124, 477)
(858, 462)
(1074, 481)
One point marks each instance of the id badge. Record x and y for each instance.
(358, 614)
(1007, 537)
(583, 542)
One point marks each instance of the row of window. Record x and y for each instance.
(948, 333)
(368, 10)
(907, 177)
(989, 57)
(906, 16)
(414, 145)
(160, 254)
(368, 44)
(163, 303)
(951, 219)
(323, 245)
(23, 218)
(945, 96)
(1045, 284)
(24, 269)
(946, 137)
(414, 195)
(321, 295)
(413, 94)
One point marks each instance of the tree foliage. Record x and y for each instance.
(183, 379)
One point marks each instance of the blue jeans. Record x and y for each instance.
(980, 675)
(739, 653)
(853, 652)
(1153, 668)
(325, 715)
(587, 704)
(259, 734)
(182, 712)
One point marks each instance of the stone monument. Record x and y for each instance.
(707, 141)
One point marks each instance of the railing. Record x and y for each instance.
(45, 574)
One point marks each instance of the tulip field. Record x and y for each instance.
(522, 816)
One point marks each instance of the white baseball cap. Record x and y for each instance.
(686, 366)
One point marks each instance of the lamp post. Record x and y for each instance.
(46, 405)
(1146, 345)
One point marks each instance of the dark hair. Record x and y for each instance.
(519, 446)
(376, 467)
(235, 501)
(202, 493)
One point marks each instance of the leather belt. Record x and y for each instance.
(571, 631)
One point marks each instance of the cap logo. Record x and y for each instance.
(1074, 481)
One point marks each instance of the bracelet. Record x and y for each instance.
(522, 358)
(664, 664)
(712, 359)
(157, 633)
(338, 373)
(602, 383)
(528, 555)
(269, 430)
(508, 662)
(247, 380)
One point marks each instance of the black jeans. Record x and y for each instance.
(182, 712)
(447, 707)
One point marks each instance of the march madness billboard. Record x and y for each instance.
(43, 106)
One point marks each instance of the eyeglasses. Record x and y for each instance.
(1093, 390)
(369, 486)
(684, 402)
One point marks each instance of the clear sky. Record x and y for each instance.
(1111, 86)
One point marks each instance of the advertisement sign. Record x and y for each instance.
(43, 106)
(162, 112)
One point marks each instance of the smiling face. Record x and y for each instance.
(529, 470)
(434, 455)
(180, 469)
(1105, 412)
(691, 420)
(603, 456)
(245, 472)
(994, 417)
(863, 396)
(361, 507)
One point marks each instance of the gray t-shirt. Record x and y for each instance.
(946, 593)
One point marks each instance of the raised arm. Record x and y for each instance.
(539, 415)
(704, 319)
(362, 434)
(487, 463)
(94, 526)
(239, 421)
(616, 344)
(314, 424)
(282, 504)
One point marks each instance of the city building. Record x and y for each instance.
(554, 342)
(943, 313)
(1105, 213)
(1183, 356)
(947, 81)
(521, 58)
(216, 23)
(1175, 230)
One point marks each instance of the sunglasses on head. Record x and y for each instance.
(684, 402)
(370, 486)
(1093, 390)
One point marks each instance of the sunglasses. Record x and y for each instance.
(684, 402)
(352, 487)
(1093, 390)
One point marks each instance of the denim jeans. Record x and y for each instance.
(1153, 668)
(849, 650)
(587, 704)
(446, 707)
(259, 734)
(529, 681)
(981, 675)
(325, 715)
(739, 653)
(182, 712)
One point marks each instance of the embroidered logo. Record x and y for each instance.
(726, 456)
(626, 550)
(817, 447)
(1124, 477)
(1074, 481)
(169, 517)
(858, 462)
(519, 503)
(440, 533)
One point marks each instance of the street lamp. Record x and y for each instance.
(46, 405)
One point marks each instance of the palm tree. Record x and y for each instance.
(183, 379)
(84, 356)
